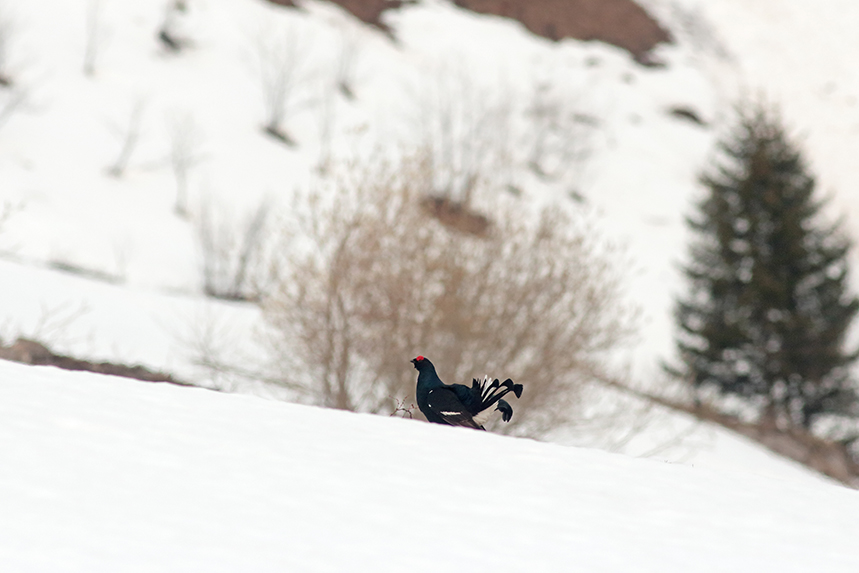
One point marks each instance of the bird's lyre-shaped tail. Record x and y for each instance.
(488, 394)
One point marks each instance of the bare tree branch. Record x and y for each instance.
(367, 280)
(185, 143)
(93, 36)
(128, 134)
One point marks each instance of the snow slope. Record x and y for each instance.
(640, 177)
(107, 322)
(106, 474)
(56, 148)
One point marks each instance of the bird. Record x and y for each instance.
(457, 404)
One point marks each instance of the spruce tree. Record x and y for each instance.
(768, 306)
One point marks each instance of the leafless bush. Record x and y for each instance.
(216, 345)
(93, 35)
(366, 280)
(54, 323)
(281, 57)
(347, 56)
(185, 152)
(8, 29)
(466, 132)
(558, 135)
(7, 210)
(16, 96)
(232, 252)
(128, 135)
(123, 250)
(326, 117)
(13, 101)
(478, 138)
(170, 33)
(403, 409)
(696, 30)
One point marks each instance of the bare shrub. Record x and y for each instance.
(170, 34)
(214, 339)
(13, 101)
(185, 152)
(7, 210)
(481, 139)
(465, 134)
(326, 117)
(691, 24)
(54, 324)
(8, 33)
(93, 35)
(5, 213)
(128, 134)
(366, 280)
(558, 136)
(232, 252)
(281, 57)
(345, 66)
(15, 96)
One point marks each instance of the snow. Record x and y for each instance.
(104, 322)
(107, 474)
(55, 150)
(104, 474)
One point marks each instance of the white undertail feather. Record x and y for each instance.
(483, 416)
(487, 394)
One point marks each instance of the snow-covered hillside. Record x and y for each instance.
(70, 130)
(63, 131)
(107, 474)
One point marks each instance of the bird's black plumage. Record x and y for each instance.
(457, 404)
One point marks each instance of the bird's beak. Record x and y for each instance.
(414, 361)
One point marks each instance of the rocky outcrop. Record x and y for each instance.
(622, 23)
(32, 352)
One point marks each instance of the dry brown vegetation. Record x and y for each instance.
(367, 280)
(233, 253)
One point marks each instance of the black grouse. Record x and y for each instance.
(457, 404)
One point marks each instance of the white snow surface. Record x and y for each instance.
(108, 474)
(639, 179)
(103, 474)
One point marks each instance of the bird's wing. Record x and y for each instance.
(465, 395)
(444, 403)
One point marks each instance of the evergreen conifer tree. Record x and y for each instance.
(768, 306)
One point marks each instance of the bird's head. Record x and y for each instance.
(420, 363)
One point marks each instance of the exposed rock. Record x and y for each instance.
(32, 352)
(622, 23)
(687, 114)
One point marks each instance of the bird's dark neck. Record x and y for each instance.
(428, 379)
